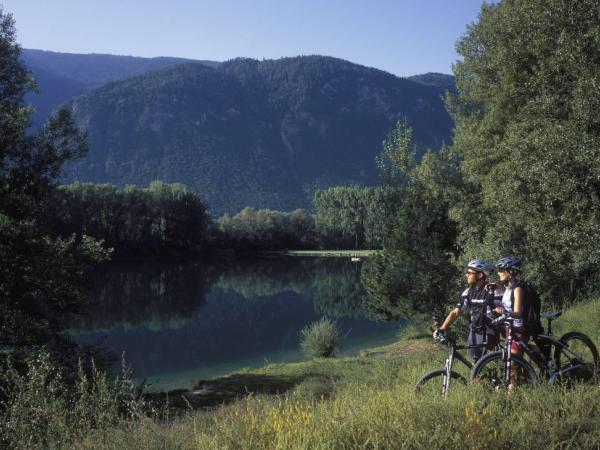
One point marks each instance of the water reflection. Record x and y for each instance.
(183, 321)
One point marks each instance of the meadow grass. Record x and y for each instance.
(368, 402)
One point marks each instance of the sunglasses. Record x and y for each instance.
(470, 272)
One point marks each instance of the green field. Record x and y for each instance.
(368, 402)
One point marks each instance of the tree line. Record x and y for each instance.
(160, 220)
(168, 219)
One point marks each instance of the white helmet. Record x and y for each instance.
(481, 265)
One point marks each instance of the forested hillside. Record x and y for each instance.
(62, 76)
(264, 134)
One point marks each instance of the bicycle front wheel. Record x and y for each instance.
(489, 371)
(432, 383)
(577, 358)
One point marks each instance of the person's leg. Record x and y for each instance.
(475, 339)
(516, 372)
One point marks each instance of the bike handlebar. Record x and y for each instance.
(504, 318)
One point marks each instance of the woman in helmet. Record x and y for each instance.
(513, 303)
(479, 299)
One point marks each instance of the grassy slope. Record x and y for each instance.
(367, 402)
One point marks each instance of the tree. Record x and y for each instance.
(527, 120)
(42, 277)
(353, 216)
(416, 269)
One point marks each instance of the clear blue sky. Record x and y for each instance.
(400, 36)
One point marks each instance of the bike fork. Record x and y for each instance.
(447, 378)
(448, 374)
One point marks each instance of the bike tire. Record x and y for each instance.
(489, 370)
(433, 382)
(585, 358)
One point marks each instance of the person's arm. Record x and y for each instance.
(518, 303)
(450, 319)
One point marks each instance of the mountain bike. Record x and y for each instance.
(438, 381)
(571, 358)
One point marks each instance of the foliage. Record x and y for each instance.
(42, 277)
(162, 219)
(415, 271)
(372, 404)
(353, 216)
(265, 229)
(528, 132)
(42, 409)
(265, 134)
(319, 339)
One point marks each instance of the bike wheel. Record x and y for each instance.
(489, 371)
(577, 358)
(432, 383)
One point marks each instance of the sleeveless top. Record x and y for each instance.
(507, 303)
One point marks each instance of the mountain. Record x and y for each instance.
(252, 133)
(442, 81)
(62, 76)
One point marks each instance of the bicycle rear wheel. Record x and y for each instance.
(432, 383)
(489, 371)
(577, 358)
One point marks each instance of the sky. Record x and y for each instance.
(399, 36)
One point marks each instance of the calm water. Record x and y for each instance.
(181, 322)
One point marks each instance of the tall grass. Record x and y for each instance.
(42, 409)
(372, 405)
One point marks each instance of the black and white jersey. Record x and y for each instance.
(480, 303)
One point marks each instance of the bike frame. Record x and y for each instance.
(546, 367)
(454, 354)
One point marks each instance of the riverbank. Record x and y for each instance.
(367, 401)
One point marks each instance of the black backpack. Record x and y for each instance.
(532, 305)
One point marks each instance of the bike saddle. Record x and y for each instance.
(551, 314)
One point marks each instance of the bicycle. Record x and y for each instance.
(575, 358)
(429, 382)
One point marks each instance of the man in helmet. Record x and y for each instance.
(479, 298)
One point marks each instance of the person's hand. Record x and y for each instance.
(490, 287)
(498, 311)
(438, 332)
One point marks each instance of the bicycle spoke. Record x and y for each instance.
(577, 360)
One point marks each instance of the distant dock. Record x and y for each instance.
(333, 253)
(355, 255)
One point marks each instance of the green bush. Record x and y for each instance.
(41, 408)
(320, 338)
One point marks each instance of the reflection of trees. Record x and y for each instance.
(267, 277)
(155, 293)
(333, 282)
(338, 291)
(166, 296)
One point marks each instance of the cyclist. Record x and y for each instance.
(514, 303)
(479, 299)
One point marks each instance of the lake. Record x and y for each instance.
(180, 322)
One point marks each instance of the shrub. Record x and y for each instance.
(42, 409)
(320, 338)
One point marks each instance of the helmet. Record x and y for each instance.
(481, 265)
(509, 262)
